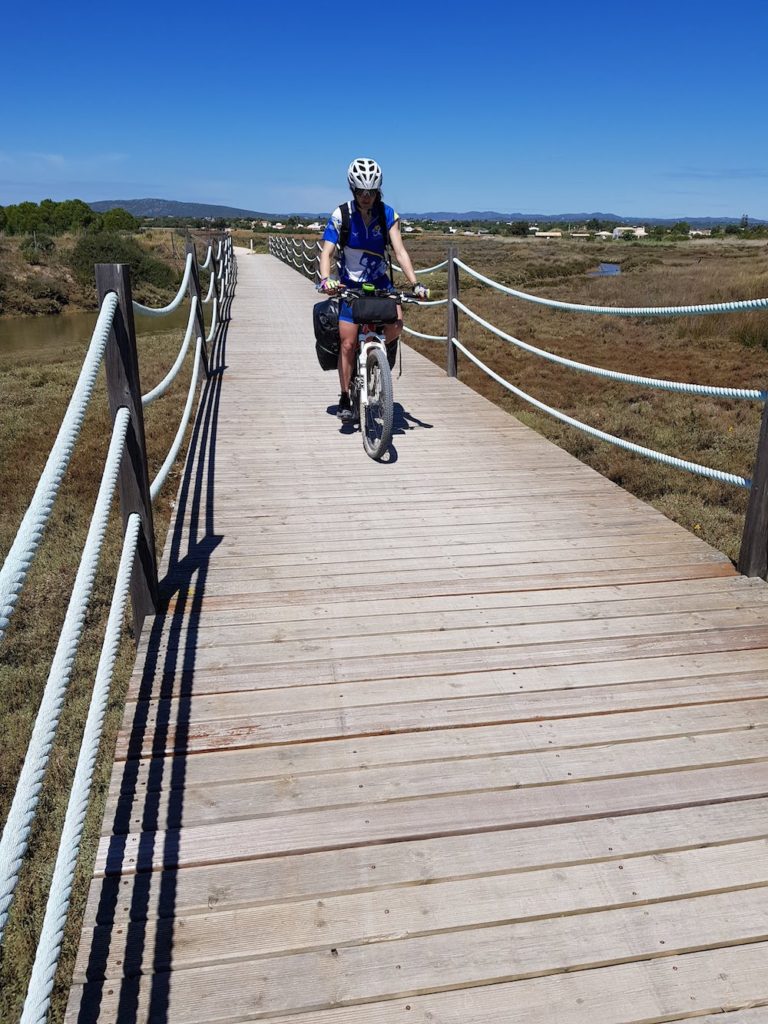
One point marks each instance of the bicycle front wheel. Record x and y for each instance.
(376, 417)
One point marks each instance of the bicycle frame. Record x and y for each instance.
(367, 338)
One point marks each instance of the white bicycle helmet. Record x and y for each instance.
(364, 173)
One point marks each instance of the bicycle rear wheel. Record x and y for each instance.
(376, 417)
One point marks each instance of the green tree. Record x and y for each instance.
(119, 220)
(519, 227)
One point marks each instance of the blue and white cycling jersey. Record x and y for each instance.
(363, 257)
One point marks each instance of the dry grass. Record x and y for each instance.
(33, 397)
(730, 349)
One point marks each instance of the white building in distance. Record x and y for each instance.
(622, 232)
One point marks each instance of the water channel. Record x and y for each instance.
(22, 336)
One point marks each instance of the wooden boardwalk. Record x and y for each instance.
(472, 736)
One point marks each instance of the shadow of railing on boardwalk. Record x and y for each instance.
(167, 679)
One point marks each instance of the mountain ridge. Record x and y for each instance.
(174, 208)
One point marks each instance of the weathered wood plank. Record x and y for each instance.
(661, 989)
(231, 886)
(315, 830)
(426, 730)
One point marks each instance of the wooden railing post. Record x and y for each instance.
(124, 389)
(452, 329)
(753, 556)
(196, 297)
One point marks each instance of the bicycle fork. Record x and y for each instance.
(376, 341)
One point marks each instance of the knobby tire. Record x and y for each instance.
(376, 418)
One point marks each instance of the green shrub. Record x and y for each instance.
(35, 247)
(51, 291)
(109, 247)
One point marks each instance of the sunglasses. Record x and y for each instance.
(365, 191)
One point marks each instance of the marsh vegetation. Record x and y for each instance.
(727, 349)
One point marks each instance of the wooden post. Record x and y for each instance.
(753, 556)
(124, 389)
(452, 330)
(195, 297)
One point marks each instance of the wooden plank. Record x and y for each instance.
(719, 675)
(240, 799)
(287, 879)
(307, 831)
(599, 578)
(664, 988)
(414, 617)
(174, 674)
(459, 565)
(394, 960)
(410, 733)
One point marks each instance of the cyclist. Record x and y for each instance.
(363, 229)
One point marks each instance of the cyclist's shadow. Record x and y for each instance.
(402, 423)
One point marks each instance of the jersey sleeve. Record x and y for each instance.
(392, 216)
(333, 227)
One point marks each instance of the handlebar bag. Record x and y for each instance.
(374, 309)
(325, 320)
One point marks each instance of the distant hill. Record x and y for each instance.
(576, 218)
(171, 208)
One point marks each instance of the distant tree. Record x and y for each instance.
(682, 227)
(119, 220)
(74, 214)
(519, 227)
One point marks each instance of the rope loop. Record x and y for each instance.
(176, 302)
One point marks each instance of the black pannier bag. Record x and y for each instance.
(325, 319)
(374, 309)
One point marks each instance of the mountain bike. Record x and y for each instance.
(370, 388)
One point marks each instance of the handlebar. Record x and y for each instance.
(383, 293)
(347, 293)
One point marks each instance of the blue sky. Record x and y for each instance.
(653, 108)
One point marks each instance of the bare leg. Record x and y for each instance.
(348, 334)
(393, 331)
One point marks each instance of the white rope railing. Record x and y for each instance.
(22, 552)
(670, 460)
(169, 378)
(631, 378)
(13, 843)
(427, 337)
(176, 302)
(211, 289)
(424, 270)
(576, 307)
(208, 258)
(170, 458)
(47, 954)
(14, 840)
(214, 322)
